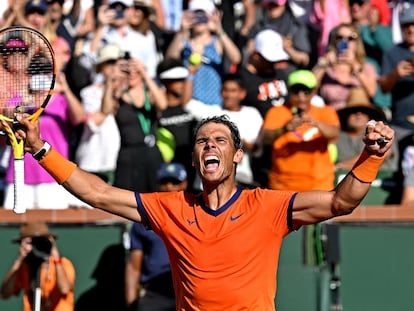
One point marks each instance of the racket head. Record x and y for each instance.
(27, 72)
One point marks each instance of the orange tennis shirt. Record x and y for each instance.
(225, 259)
(52, 299)
(300, 159)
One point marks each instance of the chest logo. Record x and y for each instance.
(233, 218)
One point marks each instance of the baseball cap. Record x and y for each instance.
(32, 6)
(302, 77)
(202, 5)
(171, 69)
(172, 170)
(268, 43)
(407, 14)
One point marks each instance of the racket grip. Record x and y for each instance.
(19, 206)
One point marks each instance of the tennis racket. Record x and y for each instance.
(27, 79)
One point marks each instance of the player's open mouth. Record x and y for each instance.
(211, 163)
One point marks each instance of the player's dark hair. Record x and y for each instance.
(223, 119)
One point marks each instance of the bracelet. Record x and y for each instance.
(190, 77)
(221, 33)
(39, 155)
(57, 261)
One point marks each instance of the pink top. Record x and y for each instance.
(55, 128)
(336, 94)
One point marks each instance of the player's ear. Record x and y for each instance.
(238, 156)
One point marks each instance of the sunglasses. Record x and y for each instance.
(296, 89)
(347, 38)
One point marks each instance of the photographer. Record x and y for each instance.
(39, 266)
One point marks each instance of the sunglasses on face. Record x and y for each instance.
(296, 89)
(347, 38)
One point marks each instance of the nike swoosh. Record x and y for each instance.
(190, 222)
(235, 217)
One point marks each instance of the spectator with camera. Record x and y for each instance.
(40, 271)
(202, 41)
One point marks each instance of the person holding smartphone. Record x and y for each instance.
(344, 68)
(202, 41)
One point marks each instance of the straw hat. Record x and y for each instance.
(33, 229)
(358, 100)
(107, 53)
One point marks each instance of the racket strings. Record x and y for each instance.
(26, 71)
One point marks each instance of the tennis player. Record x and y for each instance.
(223, 243)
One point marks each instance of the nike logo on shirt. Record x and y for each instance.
(233, 218)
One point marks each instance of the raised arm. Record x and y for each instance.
(87, 187)
(316, 206)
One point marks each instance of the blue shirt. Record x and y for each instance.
(155, 261)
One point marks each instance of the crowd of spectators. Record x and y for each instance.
(136, 75)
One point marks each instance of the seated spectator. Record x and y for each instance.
(344, 68)
(354, 118)
(202, 40)
(39, 255)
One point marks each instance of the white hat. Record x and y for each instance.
(203, 5)
(268, 43)
(109, 52)
(127, 3)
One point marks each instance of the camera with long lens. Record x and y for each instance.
(41, 247)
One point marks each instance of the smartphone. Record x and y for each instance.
(341, 46)
(119, 10)
(200, 17)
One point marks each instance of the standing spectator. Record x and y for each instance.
(39, 255)
(149, 284)
(325, 16)
(398, 76)
(266, 87)
(172, 74)
(58, 121)
(136, 109)
(376, 37)
(127, 25)
(344, 68)
(202, 40)
(299, 134)
(279, 17)
(100, 131)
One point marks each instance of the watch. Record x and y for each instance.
(41, 153)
